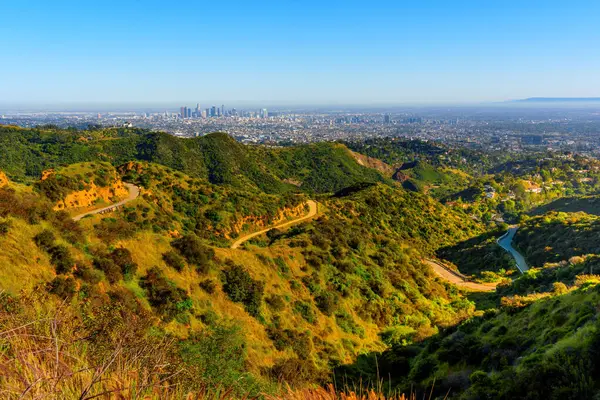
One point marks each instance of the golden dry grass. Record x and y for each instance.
(44, 354)
(329, 393)
(22, 264)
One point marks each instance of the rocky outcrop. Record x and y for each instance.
(261, 222)
(366, 161)
(131, 166)
(400, 176)
(3, 179)
(92, 194)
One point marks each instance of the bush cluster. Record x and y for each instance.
(60, 255)
(164, 296)
(241, 288)
(195, 252)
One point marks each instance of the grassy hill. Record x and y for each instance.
(538, 337)
(544, 347)
(436, 181)
(556, 237)
(586, 204)
(218, 158)
(289, 305)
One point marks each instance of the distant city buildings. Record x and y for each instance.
(219, 112)
(545, 132)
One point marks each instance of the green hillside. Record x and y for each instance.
(545, 350)
(218, 158)
(290, 304)
(556, 237)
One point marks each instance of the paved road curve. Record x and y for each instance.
(312, 205)
(134, 192)
(505, 241)
(456, 279)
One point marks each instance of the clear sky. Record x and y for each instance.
(297, 52)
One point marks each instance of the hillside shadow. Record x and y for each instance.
(484, 300)
(399, 369)
(590, 205)
(477, 254)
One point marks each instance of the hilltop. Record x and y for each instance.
(218, 158)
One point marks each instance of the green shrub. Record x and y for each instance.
(216, 357)
(195, 252)
(209, 317)
(127, 300)
(208, 285)
(110, 230)
(274, 234)
(347, 324)
(163, 295)
(88, 274)
(241, 288)
(282, 265)
(306, 311)
(326, 302)
(4, 227)
(275, 302)
(174, 260)
(111, 270)
(70, 230)
(60, 256)
(45, 240)
(63, 287)
(122, 257)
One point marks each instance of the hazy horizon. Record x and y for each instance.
(93, 107)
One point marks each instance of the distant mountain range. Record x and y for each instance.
(558, 100)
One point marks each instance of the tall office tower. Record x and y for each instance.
(198, 109)
(264, 113)
(207, 113)
(203, 114)
(182, 112)
(386, 119)
(223, 109)
(213, 111)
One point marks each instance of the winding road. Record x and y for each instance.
(443, 272)
(312, 206)
(455, 278)
(134, 192)
(505, 241)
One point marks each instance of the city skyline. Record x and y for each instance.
(298, 53)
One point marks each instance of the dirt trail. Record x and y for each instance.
(134, 192)
(454, 278)
(312, 205)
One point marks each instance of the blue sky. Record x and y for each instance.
(297, 52)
